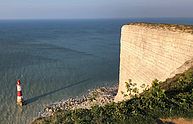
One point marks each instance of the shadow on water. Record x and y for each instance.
(31, 100)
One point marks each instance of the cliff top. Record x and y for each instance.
(172, 27)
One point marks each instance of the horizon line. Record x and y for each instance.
(89, 18)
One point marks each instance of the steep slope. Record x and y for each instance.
(153, 51)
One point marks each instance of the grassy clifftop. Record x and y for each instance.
(170, 99)
(171, 27)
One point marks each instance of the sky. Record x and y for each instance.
(80, 9)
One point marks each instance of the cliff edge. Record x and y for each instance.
(153, 51)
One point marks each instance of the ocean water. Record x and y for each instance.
(57, 59)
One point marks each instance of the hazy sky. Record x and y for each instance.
(62, 9)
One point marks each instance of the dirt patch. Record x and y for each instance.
(176, 121)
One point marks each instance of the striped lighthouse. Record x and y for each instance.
(19, 93)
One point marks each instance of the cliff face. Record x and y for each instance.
(153, 51)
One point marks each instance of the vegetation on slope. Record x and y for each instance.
(172, 98)
(171, 27)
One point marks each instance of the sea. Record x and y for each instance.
(58, 59)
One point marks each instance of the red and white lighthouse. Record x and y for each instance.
(19, 93)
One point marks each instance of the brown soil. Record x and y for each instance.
(176, 121)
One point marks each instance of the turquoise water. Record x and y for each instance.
(57, 59)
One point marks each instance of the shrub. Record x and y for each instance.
(172, 98)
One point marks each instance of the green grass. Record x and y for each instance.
(169, 99)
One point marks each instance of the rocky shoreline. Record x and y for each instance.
(99, 96)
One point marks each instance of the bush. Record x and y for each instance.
(172, 98)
